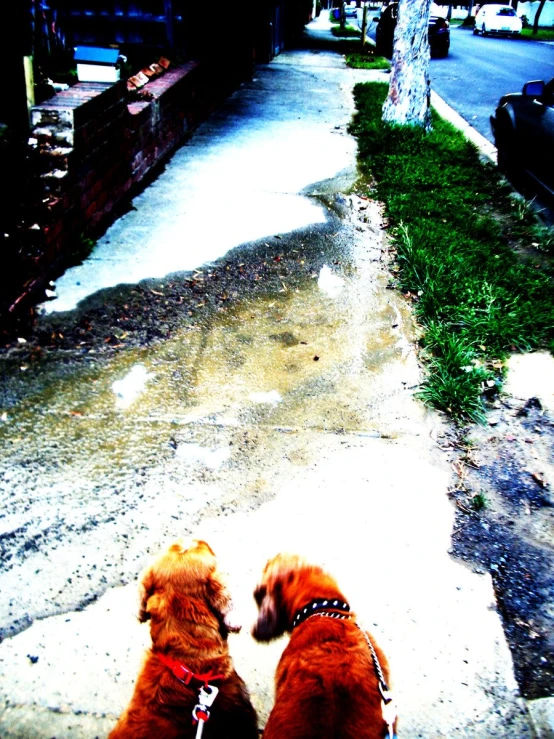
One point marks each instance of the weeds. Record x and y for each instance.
(479, 501)
(453, 224)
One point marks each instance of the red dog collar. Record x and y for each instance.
(183, 674)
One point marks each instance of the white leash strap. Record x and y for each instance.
(388, 706)
(388, 709)
(201, 711)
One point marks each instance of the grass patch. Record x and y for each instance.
(347, 32)
(479, 502)
(366, 59)
(543, 34)
(454, 226)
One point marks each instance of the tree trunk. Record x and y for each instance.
(408, 101)
(364, 25)
(537, 16)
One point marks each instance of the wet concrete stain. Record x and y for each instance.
(177, 398)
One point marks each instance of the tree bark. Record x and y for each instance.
(409, 98)
(537, 16)
(469, 12)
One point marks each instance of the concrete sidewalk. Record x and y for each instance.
(347, 469)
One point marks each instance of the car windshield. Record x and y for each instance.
(505, 11)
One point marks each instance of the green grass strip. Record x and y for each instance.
(455, 227)
(348, 31)
(366, 59)
(543, 34)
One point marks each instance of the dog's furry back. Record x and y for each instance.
(186, 602)
(326, 686)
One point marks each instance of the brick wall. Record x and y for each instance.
(89, 147)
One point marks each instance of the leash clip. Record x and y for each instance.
(388, 709)
(206, 696)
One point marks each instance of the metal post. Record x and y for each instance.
(364, 25)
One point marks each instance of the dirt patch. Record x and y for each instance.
(505, 524)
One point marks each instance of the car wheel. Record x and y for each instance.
(475, 31)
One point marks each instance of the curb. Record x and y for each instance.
(541, 713)
(487, 149)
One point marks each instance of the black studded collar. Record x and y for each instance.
(337, 609)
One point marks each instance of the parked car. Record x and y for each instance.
(523, 128)
(351, 10)
(439, 32)
(500, 20)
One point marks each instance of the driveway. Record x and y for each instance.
(231, 364)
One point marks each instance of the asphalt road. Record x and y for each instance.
(478, 71)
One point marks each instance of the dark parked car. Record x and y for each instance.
(439, 32)
(523, 128)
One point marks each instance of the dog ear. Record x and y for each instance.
(152, 608)
(272, 620)
(218, 596)
(146, 591)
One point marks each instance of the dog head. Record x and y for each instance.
(179, 578)
(288, 583)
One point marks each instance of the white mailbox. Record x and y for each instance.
(95, 64)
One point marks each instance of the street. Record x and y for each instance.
(479, 70)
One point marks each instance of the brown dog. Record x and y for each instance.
(331, 680)
(186, 601)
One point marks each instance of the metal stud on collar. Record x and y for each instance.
(311, 608)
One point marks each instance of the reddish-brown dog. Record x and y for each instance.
(187, 603)
(331, 677)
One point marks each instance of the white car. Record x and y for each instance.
(499, 20)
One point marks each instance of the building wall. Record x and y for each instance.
(89, 147)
